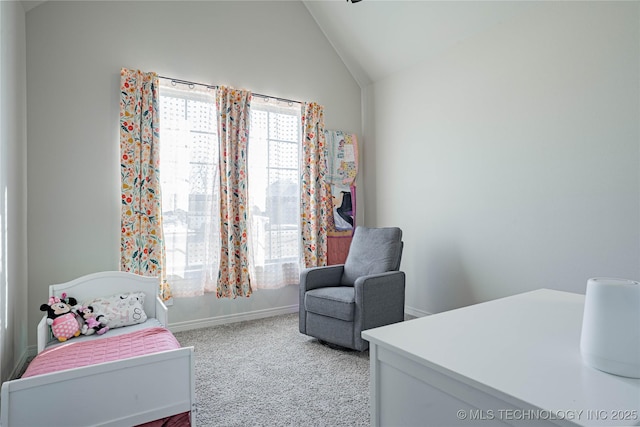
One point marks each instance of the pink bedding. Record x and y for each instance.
(75, 354)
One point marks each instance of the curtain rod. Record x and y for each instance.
(188, 83)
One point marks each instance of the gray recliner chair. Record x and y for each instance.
(338, 302)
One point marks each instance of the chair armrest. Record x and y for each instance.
(312, 278)
(381, 298)
(162, 313)
(320, 277)
(44, 333)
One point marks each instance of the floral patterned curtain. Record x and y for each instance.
(141, 240)
(315, 203)
(233, 131)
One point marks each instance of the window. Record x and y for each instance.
(190, 190)
(274, 192)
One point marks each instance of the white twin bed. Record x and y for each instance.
(138, 389)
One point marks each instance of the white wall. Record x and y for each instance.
(523, 151)
(74, 54)
(13, 188)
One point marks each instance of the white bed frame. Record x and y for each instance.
(157, 385)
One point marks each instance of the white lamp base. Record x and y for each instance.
(610, 339)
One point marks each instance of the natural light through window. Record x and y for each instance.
(190, 190)
(274, 192)
(189, 180)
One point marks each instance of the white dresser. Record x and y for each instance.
(512, 361)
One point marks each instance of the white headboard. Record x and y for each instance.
(108, 283)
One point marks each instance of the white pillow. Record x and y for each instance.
(120, 309)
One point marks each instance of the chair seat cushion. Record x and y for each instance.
(337, 302)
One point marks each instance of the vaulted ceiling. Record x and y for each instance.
(30, 4)
(376, 38)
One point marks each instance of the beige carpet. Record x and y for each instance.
(265, 373)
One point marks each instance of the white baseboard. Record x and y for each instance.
(412, 311)
(232, 318)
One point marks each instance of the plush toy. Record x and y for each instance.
(61, 317)
(92, 323)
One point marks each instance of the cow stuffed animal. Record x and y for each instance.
(62, 317)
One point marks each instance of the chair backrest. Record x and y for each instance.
(372, 251)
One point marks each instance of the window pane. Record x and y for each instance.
(283, 154)
(259, 124)
(189, 159)
(201, 116)
(283, 127)
(274, 194)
